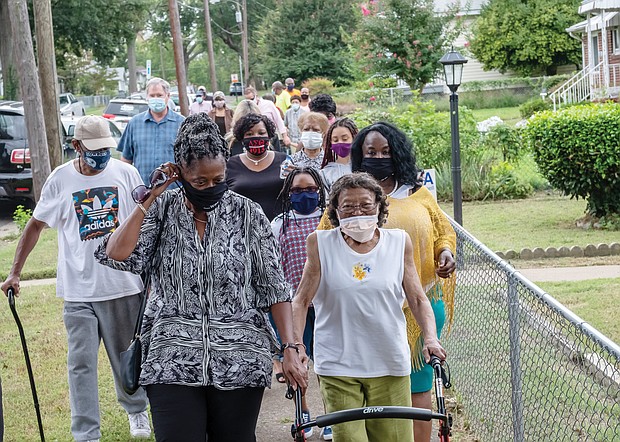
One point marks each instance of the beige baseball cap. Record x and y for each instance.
(94, 133)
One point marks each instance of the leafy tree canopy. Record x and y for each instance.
(403, 37)
(304, 39)
(526, 36)
(96, 27)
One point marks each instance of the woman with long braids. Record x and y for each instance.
(256, 172)
(337, 148)
(303, 203)
(206, 339)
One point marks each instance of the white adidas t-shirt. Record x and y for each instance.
(84, 209)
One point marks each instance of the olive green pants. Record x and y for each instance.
(343, 393)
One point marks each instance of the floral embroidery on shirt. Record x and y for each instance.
(360, 271)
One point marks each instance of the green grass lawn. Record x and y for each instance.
(41, 315)
(597, 301)
(42, 260)
(98, 110)
(541, 221)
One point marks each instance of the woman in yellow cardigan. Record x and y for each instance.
(385, 152)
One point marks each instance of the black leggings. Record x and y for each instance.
(188, 414)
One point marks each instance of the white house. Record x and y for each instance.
(599, 34)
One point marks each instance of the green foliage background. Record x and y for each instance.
(578, 151)
(403, 37)
(526, 36)
(305, 39)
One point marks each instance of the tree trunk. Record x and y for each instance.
(210, 47)
(7, 56)
(131, 61)
(48, 79)
(177, 41)
(29, 86)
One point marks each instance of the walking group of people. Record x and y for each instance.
(258, 260)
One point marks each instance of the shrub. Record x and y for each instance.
(484, 178)
(505, 139)
(428, 130)
(21, 216)
(319, 85)
(578, 150)
(534, 105)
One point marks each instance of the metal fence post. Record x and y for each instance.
(515, 362)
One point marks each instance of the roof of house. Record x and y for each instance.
(596, 23)
(599, 6)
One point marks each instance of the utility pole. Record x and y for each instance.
(177, 42)
(48, 78)
(244, 37)
(210, 47)
(29, 86)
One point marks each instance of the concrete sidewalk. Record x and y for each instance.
(554, 274)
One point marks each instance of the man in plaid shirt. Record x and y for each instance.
(149, 136)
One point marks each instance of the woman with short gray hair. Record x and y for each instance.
(358, 276)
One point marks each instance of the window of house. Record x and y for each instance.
(615, 38)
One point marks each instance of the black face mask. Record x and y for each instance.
(380, 168)
(205, 199)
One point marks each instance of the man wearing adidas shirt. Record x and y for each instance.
(86, 199)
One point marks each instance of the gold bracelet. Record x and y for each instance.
(142, 208)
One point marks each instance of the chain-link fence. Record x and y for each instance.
(525, 367)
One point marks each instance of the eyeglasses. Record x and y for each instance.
(311, 189)
(347, 209)
(141, 193)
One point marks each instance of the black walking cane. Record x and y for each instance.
(11, 295)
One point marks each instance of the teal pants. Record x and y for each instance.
(422, 380)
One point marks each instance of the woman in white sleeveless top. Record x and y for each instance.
(358, 276)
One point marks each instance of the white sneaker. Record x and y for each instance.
(139, 425)
(92, 440)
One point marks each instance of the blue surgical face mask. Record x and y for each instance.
(198, 100)
(98, 159)
(157, 104)
(305, 202)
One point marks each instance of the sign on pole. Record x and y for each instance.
(429, 181)
(148, 69)
(234, 78)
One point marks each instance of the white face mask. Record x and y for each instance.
(219, 103)
(360, 228)
(312, 140)
(295, 106)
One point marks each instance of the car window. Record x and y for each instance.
(125, 109)
(72, 99)
(64, 99)
(115, 132)
(12, 127)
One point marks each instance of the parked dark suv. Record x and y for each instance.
(15, 171)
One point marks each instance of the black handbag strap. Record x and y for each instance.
(146, 278)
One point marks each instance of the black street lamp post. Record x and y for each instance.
(453, 69)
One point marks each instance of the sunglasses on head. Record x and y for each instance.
(141, 193)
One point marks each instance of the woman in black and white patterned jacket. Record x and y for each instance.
(207, 342)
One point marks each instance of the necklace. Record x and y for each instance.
(199, 220)
(256, 161)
